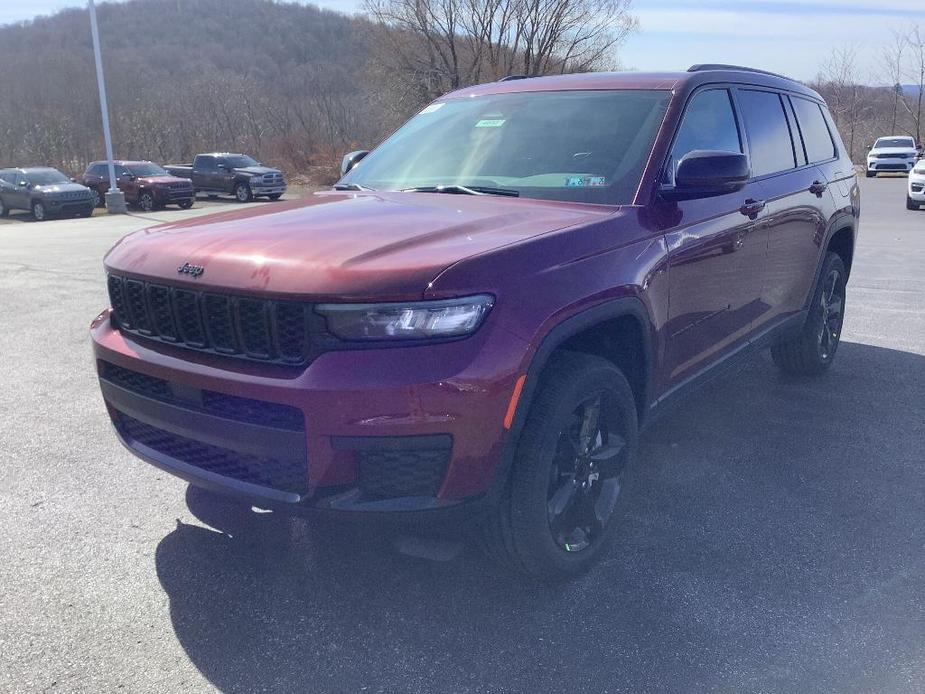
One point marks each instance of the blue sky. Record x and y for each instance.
(788, 36)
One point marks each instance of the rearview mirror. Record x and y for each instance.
(351, 160)
(707, 173)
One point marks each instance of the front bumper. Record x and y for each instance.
(268, 190)
(917, 187)
(394, 402)
(68, 206)
(890, 165)
(167, 196)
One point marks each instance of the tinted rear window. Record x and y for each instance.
(816, 135)
(768, 135)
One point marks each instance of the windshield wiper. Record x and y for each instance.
(352, 186)
(463, 190)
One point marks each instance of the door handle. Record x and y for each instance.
(818, 188)
(752, 208)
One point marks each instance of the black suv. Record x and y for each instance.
(44, 192)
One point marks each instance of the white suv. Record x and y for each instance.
(897, 153)
(916, 197)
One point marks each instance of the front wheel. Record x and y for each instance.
(38, 211)
(871, 174)
(4, 210)
(812, 350)
(275, 196)
(558, 510)
(242, 192)
(96, 197)
(146, 201)
(185, 204)
(911, 204)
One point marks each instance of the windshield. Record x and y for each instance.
(46, 177)
(581, 146)
(239, 161)
(895, 142)
(147, 169)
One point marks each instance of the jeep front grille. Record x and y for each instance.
(257, 329)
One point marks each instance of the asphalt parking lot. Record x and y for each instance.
(772, 537)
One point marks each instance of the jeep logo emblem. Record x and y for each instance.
(192, 270)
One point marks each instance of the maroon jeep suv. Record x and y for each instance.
(482, 314)
(145, 184)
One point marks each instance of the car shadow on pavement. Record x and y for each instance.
(770, 540)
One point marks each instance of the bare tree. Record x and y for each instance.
(893, 67)
(915, 70)
(440, 45)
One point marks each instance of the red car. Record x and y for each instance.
(146, 185)
(478, 319)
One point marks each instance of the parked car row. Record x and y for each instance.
(46, 192)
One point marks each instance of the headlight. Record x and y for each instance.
(418, 320)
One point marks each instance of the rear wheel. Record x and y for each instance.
(242, 192)
(38, 211)
(812, 350)
(911, 204)
(557, 513)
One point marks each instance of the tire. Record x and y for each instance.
(242, 192)
(275, 196)
(86, 213)
(911, 204)
(146, 201)
(812, 351)
(4, 210)
(185, 204)
(39, 214)
(871, 174)
(552, 486)
(97, 198)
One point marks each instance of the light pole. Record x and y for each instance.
(115, 200)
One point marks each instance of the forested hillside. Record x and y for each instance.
(286, 81)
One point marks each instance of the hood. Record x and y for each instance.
(892, 150)
(62, 188)
(165, 181)
(372, 246)
(257, 170)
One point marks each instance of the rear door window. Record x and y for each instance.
(205, 163)
(816, 136)
(709, 123)
(769, 143)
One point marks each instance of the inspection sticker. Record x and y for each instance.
(490, 123)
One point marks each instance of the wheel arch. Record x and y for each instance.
(587, 332)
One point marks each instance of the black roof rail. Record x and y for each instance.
(740, 68)
(511, 78)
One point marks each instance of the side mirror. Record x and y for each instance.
(223, 167)
(351, 160)
(707, 173)
(23, 183)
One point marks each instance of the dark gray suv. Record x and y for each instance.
(44, 192)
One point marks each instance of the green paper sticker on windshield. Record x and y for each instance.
(490, 123)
